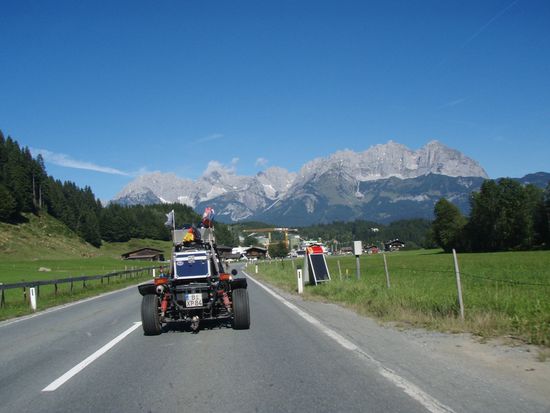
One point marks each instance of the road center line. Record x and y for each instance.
(430, 403)
(89, 360)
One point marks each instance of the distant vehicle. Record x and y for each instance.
(198, 288)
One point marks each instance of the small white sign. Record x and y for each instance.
(357, 247)
(32, 291)
(300, 281)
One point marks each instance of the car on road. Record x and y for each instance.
(196, 289)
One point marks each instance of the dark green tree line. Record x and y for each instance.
(412, 231)
(505, 215)
(120, 223)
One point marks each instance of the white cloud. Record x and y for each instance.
(261, 162)
(62, 159)
(212, 137)
(214, 166)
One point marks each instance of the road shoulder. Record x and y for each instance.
(497, 366)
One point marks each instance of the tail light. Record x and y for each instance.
(225, 277)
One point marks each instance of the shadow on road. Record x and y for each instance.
(185, 326)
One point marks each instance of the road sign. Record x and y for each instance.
(318, 268)
(357, 247)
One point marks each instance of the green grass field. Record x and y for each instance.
(45, 243)
(505, 294)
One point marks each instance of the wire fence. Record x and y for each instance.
(500, 280)
(495, 294)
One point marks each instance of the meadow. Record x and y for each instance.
(44, 249)
(505, 294)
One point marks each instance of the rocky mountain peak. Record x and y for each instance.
(342, 178)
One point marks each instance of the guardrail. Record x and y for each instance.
(134, 273)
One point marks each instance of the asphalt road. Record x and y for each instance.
(296, 357)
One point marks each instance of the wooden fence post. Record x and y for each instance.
(458, 286)
(387, 272)
(339, 270)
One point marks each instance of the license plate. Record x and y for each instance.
(193, 300)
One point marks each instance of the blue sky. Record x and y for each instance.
(114, 89)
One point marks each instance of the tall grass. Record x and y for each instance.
(505, 294)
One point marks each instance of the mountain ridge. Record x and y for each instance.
(388, 181)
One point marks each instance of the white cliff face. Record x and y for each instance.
(275, 181)
(396, 160)
(217, 181)
(240, 197)
(167, 187)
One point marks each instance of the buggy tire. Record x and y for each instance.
(150, 315)
(241, 309)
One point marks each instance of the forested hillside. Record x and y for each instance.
(25, 187)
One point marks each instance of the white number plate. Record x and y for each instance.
(193, 300)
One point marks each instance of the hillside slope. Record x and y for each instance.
(44, 237)
(41, 237)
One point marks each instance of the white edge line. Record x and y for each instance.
(90, 359)
(62, 306)
(430, 403)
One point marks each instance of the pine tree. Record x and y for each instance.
(8, 206)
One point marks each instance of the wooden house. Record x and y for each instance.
(144, 254)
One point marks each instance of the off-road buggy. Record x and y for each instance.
(197, 288)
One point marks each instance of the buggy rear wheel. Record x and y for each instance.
(241, 309)
(150, 315)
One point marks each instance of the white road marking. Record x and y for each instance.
(62, 306)
(430, 403)
(89, 360)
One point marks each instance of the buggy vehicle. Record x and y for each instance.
(197, 288)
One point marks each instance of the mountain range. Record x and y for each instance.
(385, 183)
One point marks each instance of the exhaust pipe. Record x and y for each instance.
(195, 324)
